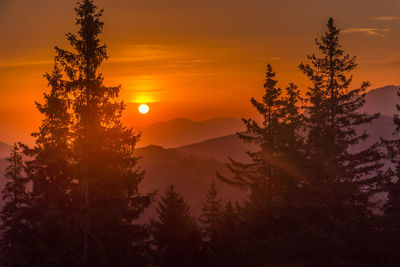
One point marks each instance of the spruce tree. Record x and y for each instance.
(278, 140)
(50, 238)
(340, 180)
(176, 236)
(14, 228)
(274, 176)
(49, 170)
(210, 218)
(392, 206)
(84, 195)
(228, 250)
(391, 219)
(107, 179)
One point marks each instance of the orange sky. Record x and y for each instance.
(196, 59)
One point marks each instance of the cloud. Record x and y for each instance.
(386, 18)
(368, 31)
(23, 64)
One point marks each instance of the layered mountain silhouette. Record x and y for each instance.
(190, 175)
(189, 153)
(5, 150)
(382, 100)
(178, 132)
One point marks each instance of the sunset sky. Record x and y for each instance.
(195, 59)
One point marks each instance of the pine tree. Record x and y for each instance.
(228, 250)
(51, 175)
(274, 176)
(13, 226)
(332, 118)
(49, 239)
(278, 140)
(393, 204)
(340, 182)
(176, 235)
(391, 226)
(84, 195)
(210, 217)
(107, 180)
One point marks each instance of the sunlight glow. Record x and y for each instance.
(142, 89)
(144, 108)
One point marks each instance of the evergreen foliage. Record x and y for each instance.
(274, 175)
(210, 218)
(340, 181)
(390, 227)
(13, 225)
(176, 236)
(84, 197)
(73, 198)
(102, 150)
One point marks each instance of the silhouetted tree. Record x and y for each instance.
(176, 235)
(278, 140)
(274, 174)
(49, 170)
(393, 204)
(106, 188)
(14, 228)
(47, 213)
(228, 250)
(339, 181)
(210, 218)
(390, 233)
(84, 196)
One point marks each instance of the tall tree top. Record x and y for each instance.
(90, 52)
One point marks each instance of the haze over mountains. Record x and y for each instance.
(4, 150)
(382, 100)
(189, 153)
(180, 131)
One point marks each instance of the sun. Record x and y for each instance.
(144, 109)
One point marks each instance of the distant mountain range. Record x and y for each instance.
(5, 150)
(194, 151)
(178, 132)
(189, 174)
(382, 100)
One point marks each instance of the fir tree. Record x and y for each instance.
(48, 213)
(84, 196)
(340, 182)
(13, 226)
(278, 140)
(392, 206)
(52, 179)
(175, 233)
(227, 249)
(210, 218)
(332, 118)
(391, 219)
(107, 181)
(274, 176)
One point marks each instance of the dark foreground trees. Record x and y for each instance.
(390, 223)
(274, 176)
(75, 199)
(340, 180)
(106, 190)
(84, 196)
(176, 236)
(309, 198)
(14, 230)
